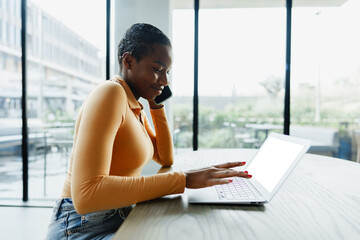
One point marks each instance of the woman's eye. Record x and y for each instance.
(157, 69)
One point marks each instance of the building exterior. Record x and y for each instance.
(62, 66)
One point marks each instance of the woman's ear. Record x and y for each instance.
(127, 59)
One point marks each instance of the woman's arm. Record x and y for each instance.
(161, 139)
(92, 189)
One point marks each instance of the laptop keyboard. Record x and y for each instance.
(239, 189)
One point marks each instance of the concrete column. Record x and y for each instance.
(155, 12)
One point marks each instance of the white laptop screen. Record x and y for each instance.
(273, 160)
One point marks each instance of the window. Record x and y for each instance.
(10, 111)
(6, 33)
(1, 30)
(326, 77)
(56, 91)
(183, 78)
(241, 74)
(18, 38)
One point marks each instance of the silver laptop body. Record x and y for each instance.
(270, 167)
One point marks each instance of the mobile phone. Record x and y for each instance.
(165, 94)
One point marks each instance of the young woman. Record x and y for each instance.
(113, 140)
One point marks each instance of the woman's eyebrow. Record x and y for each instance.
(161, 63)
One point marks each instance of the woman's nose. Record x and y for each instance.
(164, 80)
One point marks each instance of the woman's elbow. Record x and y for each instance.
(168, 164)
(82, 203)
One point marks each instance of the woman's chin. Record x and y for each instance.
(150, 97)
(154, 95)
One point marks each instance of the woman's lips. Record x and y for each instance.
(157, 90)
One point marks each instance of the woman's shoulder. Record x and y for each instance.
(106, 96)
(110, 89)
(111, 84)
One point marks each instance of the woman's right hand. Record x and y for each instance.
(214, 175)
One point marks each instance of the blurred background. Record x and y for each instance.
(241, 76)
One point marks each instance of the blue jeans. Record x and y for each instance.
(66, 223)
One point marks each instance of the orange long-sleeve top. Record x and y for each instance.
(112, 142)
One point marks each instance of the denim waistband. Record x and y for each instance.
(64, 204)
(67, 205)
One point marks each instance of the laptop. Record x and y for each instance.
(270, 167)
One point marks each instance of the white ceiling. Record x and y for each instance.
(255, 3)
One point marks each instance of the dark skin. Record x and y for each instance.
(149, 76)
(146, 78)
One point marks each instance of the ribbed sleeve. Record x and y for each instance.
(106, 129)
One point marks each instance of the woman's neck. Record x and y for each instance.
(129, 83)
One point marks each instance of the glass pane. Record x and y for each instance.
(241, 73)
(10, 101)
(325, 100)
(183, 77)
(65, 61)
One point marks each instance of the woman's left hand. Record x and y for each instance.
(154, 105)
